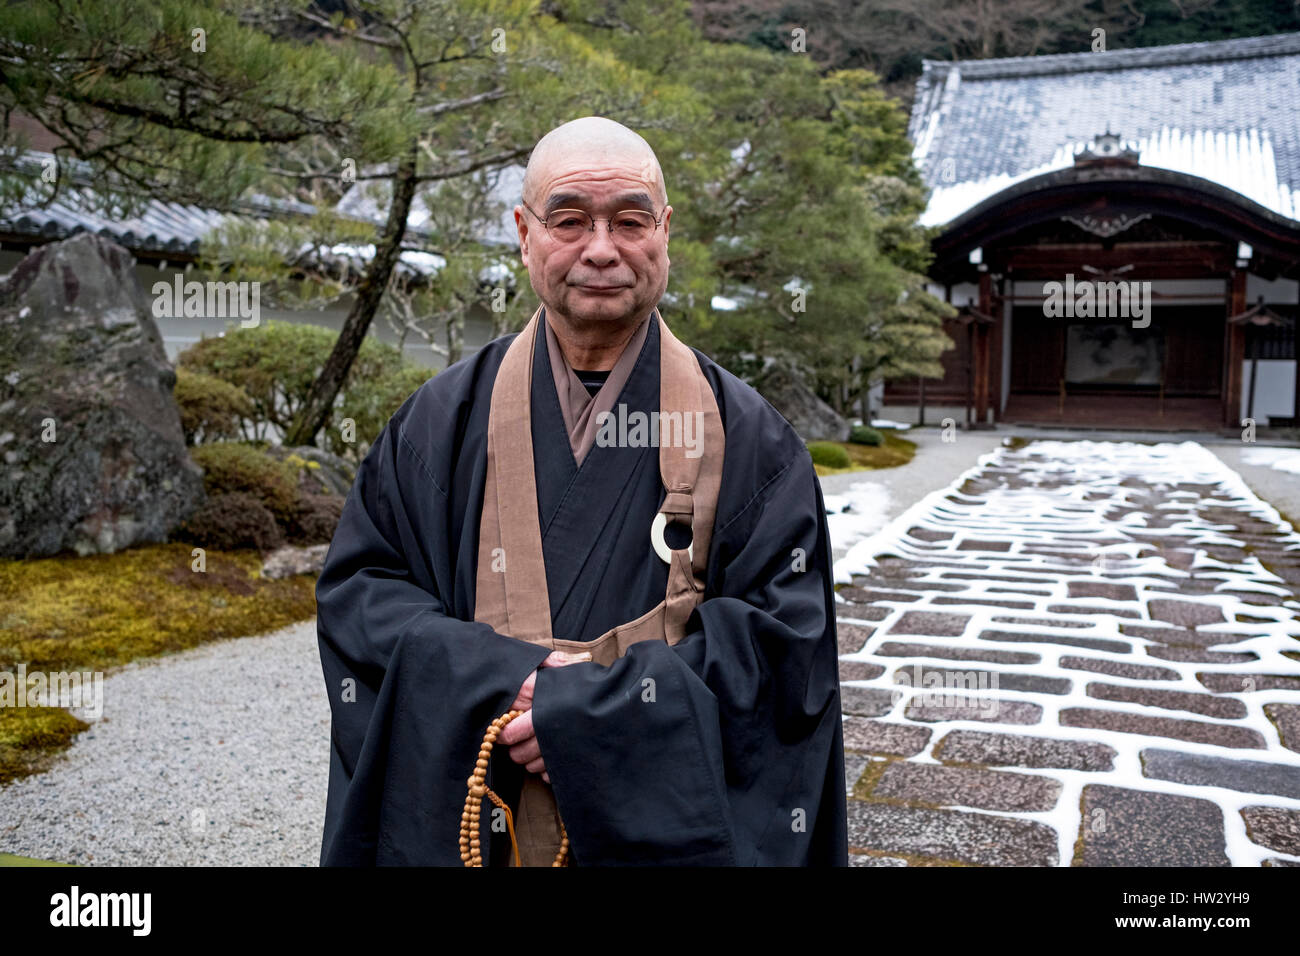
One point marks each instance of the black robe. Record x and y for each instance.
(725, 749)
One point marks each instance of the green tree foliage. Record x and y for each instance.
(275, 364)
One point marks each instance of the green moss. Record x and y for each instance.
(30, 736)
(893, 451)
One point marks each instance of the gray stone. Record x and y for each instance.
(966, 787)
(1184, 613)
(1120, 668)
(785, 389)
(878, 737)
(1196, 655)
(951, 835)
(870, 859)
(852, 637)
(1020, 750)
(1197, 731)
(979, 680)
(1248, 776)
(1226, 708)
(80, 353)
(1102, 589)
(931, 706)
(866, 701)
(1040, 637)
(1273, 827)
(290, 560)
(930, 624)
(859, 670)
(1287, 719)
(1236, 683)
(1122, 827)
(900, 649)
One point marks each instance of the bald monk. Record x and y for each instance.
(593, 525)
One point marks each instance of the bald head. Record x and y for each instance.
(590, 143)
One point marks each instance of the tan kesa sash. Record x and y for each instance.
(511, 593)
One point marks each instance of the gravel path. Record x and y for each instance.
(217, 756)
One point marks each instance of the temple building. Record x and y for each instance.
(1120, 234)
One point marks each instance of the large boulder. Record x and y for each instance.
(92, 457)
(812, 418)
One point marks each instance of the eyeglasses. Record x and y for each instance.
(630, 227)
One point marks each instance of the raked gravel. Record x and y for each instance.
(216, 756)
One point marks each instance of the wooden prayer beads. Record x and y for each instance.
(470, 844)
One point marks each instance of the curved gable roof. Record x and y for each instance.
(1224, 111)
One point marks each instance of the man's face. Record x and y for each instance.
(596, 280)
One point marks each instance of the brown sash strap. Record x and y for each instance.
(511, 593)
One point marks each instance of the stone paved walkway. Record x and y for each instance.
(1081, 653)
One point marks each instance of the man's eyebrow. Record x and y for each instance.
(624, 201)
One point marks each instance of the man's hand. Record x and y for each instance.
(519, 735)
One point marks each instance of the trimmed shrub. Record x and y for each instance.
(828, 454)
(211, 408)
(275, 364)
(316, 519)
(862, 435)
(237, 467)
(229, 521)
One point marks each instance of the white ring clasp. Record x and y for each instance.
(661, 546)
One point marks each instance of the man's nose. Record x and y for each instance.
(600, 249)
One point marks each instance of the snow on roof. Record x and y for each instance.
(1224, 111)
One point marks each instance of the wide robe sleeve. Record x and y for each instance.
(411, 688)
(727, 748)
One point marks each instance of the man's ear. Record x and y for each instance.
(521, 224)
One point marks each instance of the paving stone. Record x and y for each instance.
(852, 637)
(1248, 776)
(916, 584)
(1287, 719)
(1184, 613)
(878, 737)
(1237, 683)
(1123, 827)
(854, 766)
(930, 706)
(1273, 827)
(1045, 622)
(859, 670)
(1274, 861)
(929, 534)
(1020, 750)
(951, 835)
(1208, 705)
(986, 602)
(1197, 731)
(1025, 578)
(1086, 609)
(899, 649)
(863, 612)
(857, 595)
(1195, 655)
(966, 787)
(1039, 637)
(1102, 589)
(931, 624)
(1041, 592)
(868, 701)
(978, 544)
(1120, 668)
(1182, 635)
(980, 680)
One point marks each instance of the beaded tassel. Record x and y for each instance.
(470, 844)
